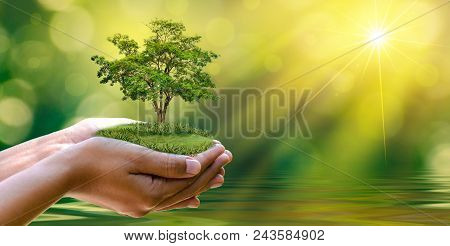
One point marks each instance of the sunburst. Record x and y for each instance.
(380, 33)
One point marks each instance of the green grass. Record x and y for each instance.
(170, 138)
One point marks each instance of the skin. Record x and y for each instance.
(124, 177)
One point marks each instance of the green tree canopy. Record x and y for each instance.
(168, 64)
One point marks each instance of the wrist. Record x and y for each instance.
(25, 155)
(78, 162)
(57, 173)
(67, 166)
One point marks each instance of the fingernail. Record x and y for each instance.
(216, 142)
(193, 205)
(219, 178)
(216, 185)
(216, 145)
(226, 158)
(229, 154)
(193, 166)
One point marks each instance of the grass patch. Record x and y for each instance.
(170, 138)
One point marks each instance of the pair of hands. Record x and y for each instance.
(124, 177)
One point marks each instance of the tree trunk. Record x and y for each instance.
(161, 116)
(161, 109)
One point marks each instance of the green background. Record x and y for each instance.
(340, 176)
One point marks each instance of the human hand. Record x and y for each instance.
(22, 156)
(88, 128)
(25, 155)
(134, 180)
(121, 176)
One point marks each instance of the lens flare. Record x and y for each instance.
(377, 37)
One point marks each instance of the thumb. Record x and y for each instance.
(178, 166)
(147, 161)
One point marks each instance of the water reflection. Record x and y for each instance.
(286, 199)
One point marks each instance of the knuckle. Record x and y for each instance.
(169, 164)
(96, 141)
(96, 144)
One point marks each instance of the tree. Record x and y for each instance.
(169, 64)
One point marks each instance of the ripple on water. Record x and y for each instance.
(289, 200)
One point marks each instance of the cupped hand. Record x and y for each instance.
(20, 157)
(134, 180)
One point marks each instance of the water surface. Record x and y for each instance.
(287, 199)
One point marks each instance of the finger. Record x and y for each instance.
(198, 184)
(192, 202)
(229, 154)
(216, 182)
(177, 185)
(207, 157)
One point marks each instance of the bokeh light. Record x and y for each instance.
(78, 23)
(47, 82)
(15, 119)
(76, 84)
(176, 7)
(14, 112)
(378, 37)
(220, 31)
(57, 5)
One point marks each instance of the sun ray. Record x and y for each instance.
(340, 32)
(367, 62)
(377, 37)
(387, 13)
(350, 45)
(403, 13)
(419, 43)
(376, 12)
(405, 29)
(326, 85)
(404, 55)
(411, 28)
(389, 58)
(382, 105)
(334, 77)
(425, 69)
